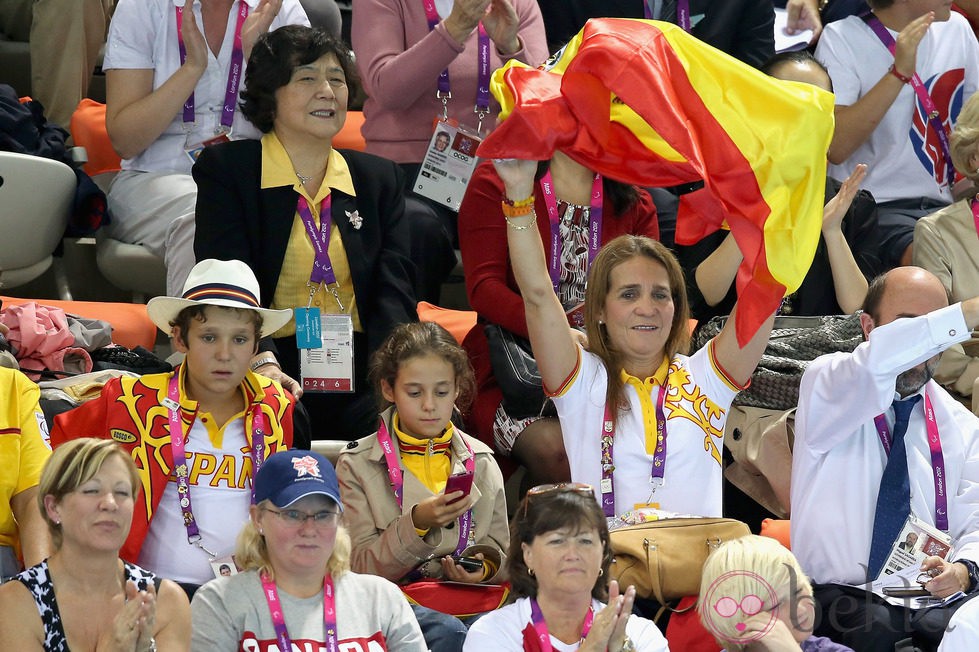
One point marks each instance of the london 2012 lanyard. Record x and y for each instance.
(398, 483)
(934, 118)
(657, 471)
(540, 625)
(234, 72)
(937, 459)
(322, 273)
(444, 92)
(178, 448)
(279, 619)
(682, 13)
(594, 225)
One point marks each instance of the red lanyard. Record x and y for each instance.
(178, 443)
(594, 225)
(279, 620)
(396, 475)
(658, 469)
(234, 72)
(937, 459)
(540, 625)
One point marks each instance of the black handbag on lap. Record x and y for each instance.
(516, 372)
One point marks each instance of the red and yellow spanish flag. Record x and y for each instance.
(646, 103)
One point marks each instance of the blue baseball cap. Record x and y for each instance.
(287, 476)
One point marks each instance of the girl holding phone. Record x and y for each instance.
(406, 519)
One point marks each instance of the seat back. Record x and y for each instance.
(350, 136)
(36, 195)
(88, 131)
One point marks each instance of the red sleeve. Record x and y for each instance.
(490, 286)
(87, 420)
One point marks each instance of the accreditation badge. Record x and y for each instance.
(448, 164)
(329, 367)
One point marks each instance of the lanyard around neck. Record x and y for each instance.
(934, 119)
(279, 620)
(396, 475)
(657, 471)
(444, 92)
(682, 13)
(178, 448)
(540, 625)
(322, 272)
(937, 459)
(594, 225)
(234, 71)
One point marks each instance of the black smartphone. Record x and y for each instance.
(459, 482)
(469, 564)
(909, 592)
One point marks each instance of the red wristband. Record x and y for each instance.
(904, 80)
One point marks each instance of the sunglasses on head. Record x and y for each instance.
(557, 487)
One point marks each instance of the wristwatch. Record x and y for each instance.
(973, 573)
(264, 360)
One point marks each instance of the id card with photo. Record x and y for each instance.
(224, 566)
(329, 367)
(193, 151)
(448, 164)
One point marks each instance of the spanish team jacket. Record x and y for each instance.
(132, 412)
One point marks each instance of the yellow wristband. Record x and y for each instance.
(529, 201)
(517, 211)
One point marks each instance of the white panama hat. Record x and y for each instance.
(228, 283)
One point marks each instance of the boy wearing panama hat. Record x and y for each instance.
(197, 433)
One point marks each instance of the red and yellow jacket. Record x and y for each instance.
(131, 411)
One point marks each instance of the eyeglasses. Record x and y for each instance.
(295, 518)
(558, 487)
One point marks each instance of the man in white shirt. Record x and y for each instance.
(882, 119)
(844, 424)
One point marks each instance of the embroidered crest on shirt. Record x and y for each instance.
(684, 400)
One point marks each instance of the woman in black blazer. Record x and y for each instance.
(252, 196)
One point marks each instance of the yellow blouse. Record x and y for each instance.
(292, 290)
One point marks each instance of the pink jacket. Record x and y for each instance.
(42, 339)
(400, 61)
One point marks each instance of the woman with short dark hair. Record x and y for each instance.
(557, 563)
(262, 201)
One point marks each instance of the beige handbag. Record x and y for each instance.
(664, 559)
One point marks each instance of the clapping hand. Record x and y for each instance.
(194, 43)
(836, 208)
(258, 22)
(908, 40)
(608, 628)
(132, 628)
